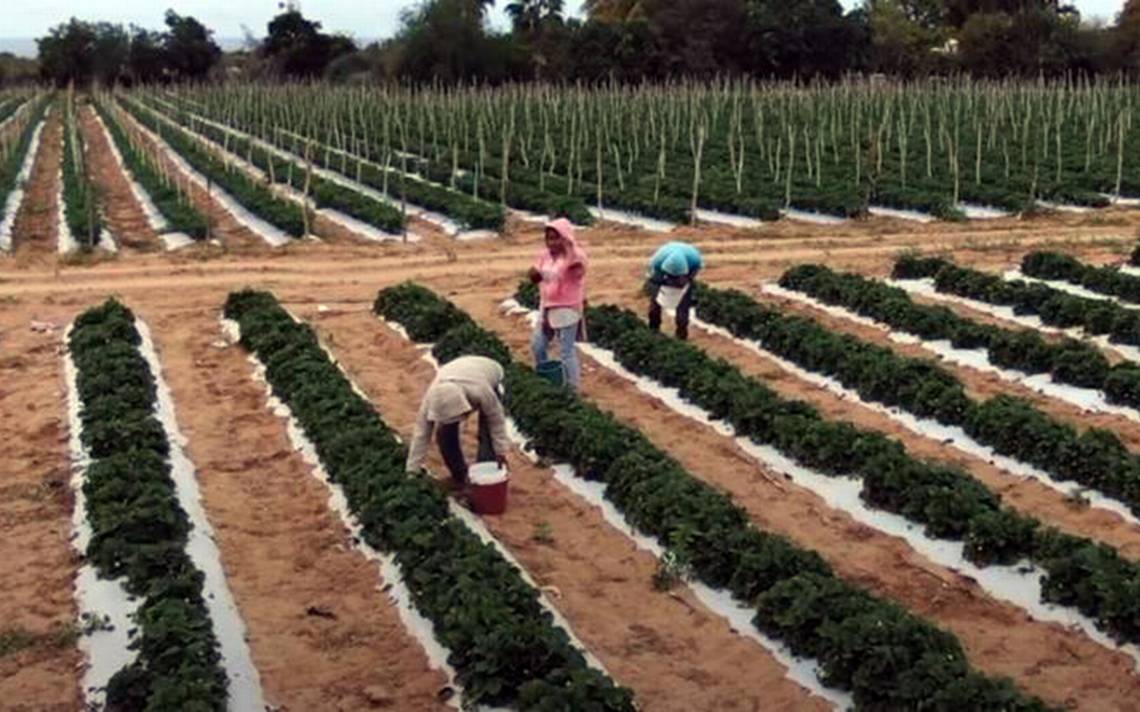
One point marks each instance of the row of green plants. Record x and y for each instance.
(1067, 361)
(889, 658)
(1105, 280)
(11, 164)
(465, 210)
(836, 148)
(1095, 458)
(504, 646)
(1055, 307)
(172, 202)
(279, 170)
(139, 530)
(81, 209)
(253, 195)
(951, 504)
(8, 107)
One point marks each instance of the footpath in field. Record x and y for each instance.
(672, 651)
(36, 229)
(124, 216)
(39, 624)
(317, 644)
(1046, 659)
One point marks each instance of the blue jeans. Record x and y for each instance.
(566, 338)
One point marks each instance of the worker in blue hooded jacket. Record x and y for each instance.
(672, 274)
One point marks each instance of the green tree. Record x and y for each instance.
(190, 48)
(296, 47)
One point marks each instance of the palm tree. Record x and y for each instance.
(616, 10)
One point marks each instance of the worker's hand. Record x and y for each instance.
(534, 275)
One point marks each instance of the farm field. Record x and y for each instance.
(860, 449)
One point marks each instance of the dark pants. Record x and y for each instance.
(447, 437)
(683, 310)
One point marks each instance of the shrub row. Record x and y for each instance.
(139, 531)
(252, 195)
(948, 502)
(887, 657)
(1095, 458)
(180, 213)
(80, 202)
(1068, 361)
(1106, 280)
(503, 644)
(1053, 306)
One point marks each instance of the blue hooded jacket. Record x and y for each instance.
(675, 259)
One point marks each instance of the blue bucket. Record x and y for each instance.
(551, 371)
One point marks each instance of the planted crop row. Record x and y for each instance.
(1105, 280)
(174, 204)
(1095, 458)
(503, 644)
(887, 657)
(948, 502)
(835, 149)
(463, 209)
(256, 197)
(139, 531)
(292, 173)
(1069, 361)
(11, 164)
(80, 201)
(1054, 307)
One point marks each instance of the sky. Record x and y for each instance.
(362, 19)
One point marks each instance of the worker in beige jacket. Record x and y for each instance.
(462, 387)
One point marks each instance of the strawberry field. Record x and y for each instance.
(896, 465)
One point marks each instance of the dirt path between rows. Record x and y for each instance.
(323, 635)
(40, 665)
(672, 651)
(36, 231)
(124, 216)
(1046, 659)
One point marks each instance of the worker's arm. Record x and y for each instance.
(417, 450)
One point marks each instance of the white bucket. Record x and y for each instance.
(670, 297)
(484, 474)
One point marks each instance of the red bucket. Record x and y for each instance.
(488, 488)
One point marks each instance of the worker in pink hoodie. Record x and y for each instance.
(560, 272)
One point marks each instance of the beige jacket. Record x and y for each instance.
(468, 383)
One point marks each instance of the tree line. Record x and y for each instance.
(622, 40)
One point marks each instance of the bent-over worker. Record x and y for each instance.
(464, 386)
(674, 268)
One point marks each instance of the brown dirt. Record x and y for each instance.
(1048, 660)
(269, 561)
(35, 233)
(668, 648)
(280, 542)
(124, 215)
(37, 562)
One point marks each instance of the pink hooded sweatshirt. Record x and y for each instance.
(558, 287)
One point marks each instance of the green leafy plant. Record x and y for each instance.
(139, 531)
(721, 547)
